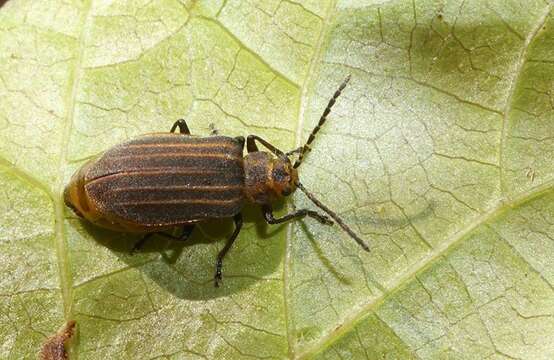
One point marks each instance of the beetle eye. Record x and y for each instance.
(279, 174)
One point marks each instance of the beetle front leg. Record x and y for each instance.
(295, 151)
(223, 252)
(252, 147)
(182, 125)
(268, 215)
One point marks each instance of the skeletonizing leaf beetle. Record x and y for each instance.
(164, 180)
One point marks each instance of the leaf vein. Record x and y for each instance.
(513, 86)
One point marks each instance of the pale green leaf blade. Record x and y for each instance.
(438, 153)
(487, 297)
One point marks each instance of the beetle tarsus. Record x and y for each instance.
(223, 252)
(268, 216)
(295, 151)
(324, 219)
(218, 275)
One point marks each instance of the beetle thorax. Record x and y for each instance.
(268, 178)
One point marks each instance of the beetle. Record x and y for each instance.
(160, 181)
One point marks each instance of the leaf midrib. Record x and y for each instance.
(302, 108)
(509, 101)
(66, 281)
(357, 315)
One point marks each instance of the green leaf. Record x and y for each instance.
(439, 153)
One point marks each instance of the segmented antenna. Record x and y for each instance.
(333, 216)
(322, 120)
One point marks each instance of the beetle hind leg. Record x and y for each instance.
(223, 252)
(185, 234)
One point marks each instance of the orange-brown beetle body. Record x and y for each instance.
(165, 180)
(159, 181)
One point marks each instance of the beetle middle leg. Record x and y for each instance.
(182, 125)
(268, 216)
(223, 252)
(185, 234)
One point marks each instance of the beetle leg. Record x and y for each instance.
(213, 130)
(251, 144)
(223, 252)
(139, 244)
(185, 234)
(252, 147)
(183, 128)
(295, 151)
(268, 215)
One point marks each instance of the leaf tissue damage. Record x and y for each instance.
(54, 347)
(439, 153)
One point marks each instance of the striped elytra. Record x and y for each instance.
(161, 180)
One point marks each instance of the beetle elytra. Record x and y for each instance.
(164, 180)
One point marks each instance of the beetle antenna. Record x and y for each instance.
(322, 119)
(334, 216)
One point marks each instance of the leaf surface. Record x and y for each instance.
(439, 153)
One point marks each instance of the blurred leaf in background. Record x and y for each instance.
(439, 153)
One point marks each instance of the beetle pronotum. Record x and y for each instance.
(164, 180)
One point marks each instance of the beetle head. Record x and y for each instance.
(284, 177)
(268, 178)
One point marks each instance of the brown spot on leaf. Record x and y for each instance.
(54, 347)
